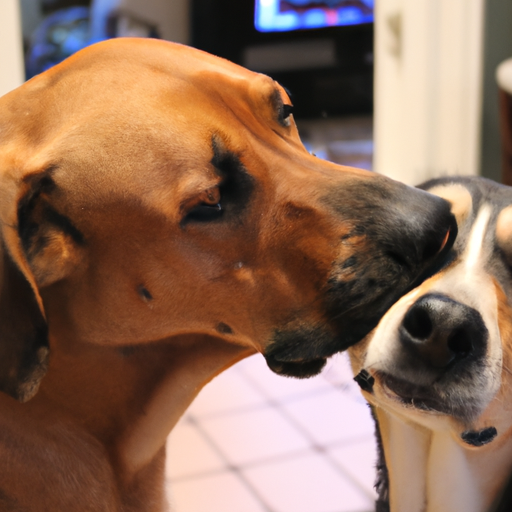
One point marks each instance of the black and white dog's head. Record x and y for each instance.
(442, 355)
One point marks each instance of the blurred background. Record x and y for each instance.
(412, 89)
(405, 88)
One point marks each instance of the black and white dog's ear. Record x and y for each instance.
(504, 232)
(24, 348)
(457, 195)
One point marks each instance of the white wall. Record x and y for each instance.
(428, 81)
(11, 46)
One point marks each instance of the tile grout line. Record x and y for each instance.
(268, 460)
(252, 407)
(276, 405)
(230, 467)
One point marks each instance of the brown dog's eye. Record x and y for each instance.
(206, 207)
(284, 114)
(287, 111)
(205, 212)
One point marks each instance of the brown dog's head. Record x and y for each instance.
(441, 356)
(150, 191)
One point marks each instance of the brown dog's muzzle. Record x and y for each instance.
(397, 235)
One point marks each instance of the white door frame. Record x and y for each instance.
(428, 87)
(12, 72)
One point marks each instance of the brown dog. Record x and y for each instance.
(160, 220)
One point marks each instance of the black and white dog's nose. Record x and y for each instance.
(440, 331)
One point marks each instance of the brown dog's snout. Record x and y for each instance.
(439, 331)
(408, 234)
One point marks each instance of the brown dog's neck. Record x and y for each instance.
(147, 434)
(130, 398)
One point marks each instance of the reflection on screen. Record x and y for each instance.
(282, 15)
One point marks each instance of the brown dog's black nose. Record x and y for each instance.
(440, 331)
(399, 236)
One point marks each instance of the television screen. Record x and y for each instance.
(284, 15)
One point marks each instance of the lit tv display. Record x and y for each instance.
(286, 15)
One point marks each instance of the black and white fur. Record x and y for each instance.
(437, 370)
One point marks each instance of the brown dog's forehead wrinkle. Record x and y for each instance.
(256, 106)
(157, 170)
(110, 91)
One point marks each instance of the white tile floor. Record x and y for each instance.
(253, 441)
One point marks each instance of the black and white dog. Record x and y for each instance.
(438, 368)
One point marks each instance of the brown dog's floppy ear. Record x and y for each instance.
(23, 331)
